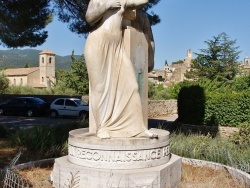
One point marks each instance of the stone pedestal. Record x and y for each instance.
(117, 163)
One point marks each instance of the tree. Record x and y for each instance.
(77, 77)
(218, 60)
(4, 83)
(26, 65)
(22, 22)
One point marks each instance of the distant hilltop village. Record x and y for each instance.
(172, 73)
(175, 73)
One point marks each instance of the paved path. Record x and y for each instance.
(19, 121)
(163, 122)
(11, 122)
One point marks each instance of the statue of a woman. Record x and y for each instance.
(115, 105)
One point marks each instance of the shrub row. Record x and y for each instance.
(195, 106)
(218, 150)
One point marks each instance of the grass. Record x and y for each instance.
(38, 177)
(216, 149)
(192, 177)
(7, 152)
(45, 142)
(203, 177)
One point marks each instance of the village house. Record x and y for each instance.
(37, 77)
(172, 73)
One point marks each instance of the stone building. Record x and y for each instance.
(245, 66)
(37, 77)
(176, 72)
(172, 73)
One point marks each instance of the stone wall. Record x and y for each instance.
(161, 108)
(212, 130)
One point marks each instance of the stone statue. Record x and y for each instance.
(115, 107)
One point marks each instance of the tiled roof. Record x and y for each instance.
(20, 71)
(47, 51)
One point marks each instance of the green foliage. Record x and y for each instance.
(191, 105)
(4, 83)
(27, 90)
(26, 65)
(62, 89)
(241, 84)
(60, 74)
(242, 138)
(3, 131)
(162, 95)
(225, 103)
(158, 92)
(227, 109)
(77, 78)
(218, 60)
(210, 149)
(22, 22)
(49, 141)
(151, 90)
(175, 89)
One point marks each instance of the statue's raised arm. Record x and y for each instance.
(97, 8)
(135, 3)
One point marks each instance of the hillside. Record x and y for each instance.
(19, 58)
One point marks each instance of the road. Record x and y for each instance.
(13, 122)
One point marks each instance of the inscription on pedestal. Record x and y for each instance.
(118, 156)
(87, 150)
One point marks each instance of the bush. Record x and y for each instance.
(48, 141)
(242, 138)
(26, 90)
(198, 105)
(191, 105)
(3, 132)
(227, 109)
(210, 149)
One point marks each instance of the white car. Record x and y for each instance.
(68, 107)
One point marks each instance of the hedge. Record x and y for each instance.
(210, 108)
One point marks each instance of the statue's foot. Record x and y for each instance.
(148, 134)
(103, 135)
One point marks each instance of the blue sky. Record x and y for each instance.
(184, 24)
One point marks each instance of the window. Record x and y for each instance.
(14, 82)
(59, 102)
(70, 103)
(42, 79)
(21, 81)
(50, 60)
(42, 59)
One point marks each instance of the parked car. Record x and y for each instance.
(28, 106)
(68, 107)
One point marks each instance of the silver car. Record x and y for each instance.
(69, 107)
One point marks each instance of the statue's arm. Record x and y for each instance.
(135, 3)
(97, 8)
